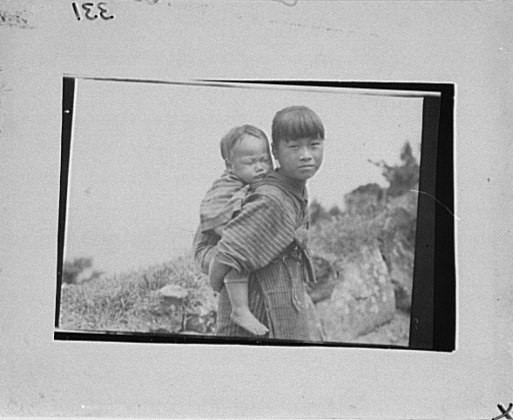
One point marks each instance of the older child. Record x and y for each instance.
(261, 238)
(247, 157)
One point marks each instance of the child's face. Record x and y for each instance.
(300, 158)
(250, 159)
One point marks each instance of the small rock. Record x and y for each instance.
(173, 291)
(173, 296)
(200, 324)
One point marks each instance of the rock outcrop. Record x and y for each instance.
(326, 275)
(314, 320)
(397, 244)
(362, 299)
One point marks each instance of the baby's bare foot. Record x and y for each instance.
(245, 319)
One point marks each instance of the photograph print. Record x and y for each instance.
(248, 212)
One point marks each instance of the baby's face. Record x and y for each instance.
(250, 159)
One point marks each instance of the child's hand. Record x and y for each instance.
(301, 237)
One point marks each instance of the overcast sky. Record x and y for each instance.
(144, 154)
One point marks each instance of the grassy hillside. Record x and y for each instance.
(131, 301)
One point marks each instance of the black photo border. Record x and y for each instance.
(433, 308)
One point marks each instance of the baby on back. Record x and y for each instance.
(245, 151)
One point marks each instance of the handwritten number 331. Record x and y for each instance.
(90, 11)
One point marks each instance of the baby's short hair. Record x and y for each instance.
(231, 138)
(295, 122)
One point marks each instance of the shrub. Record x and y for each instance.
(344, 236)
(72, 269)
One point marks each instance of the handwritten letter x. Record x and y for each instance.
(505, 413)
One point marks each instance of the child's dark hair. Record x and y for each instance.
(231, 138)
(295, 122)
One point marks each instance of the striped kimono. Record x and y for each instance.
(221, 202)
(261, 240)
